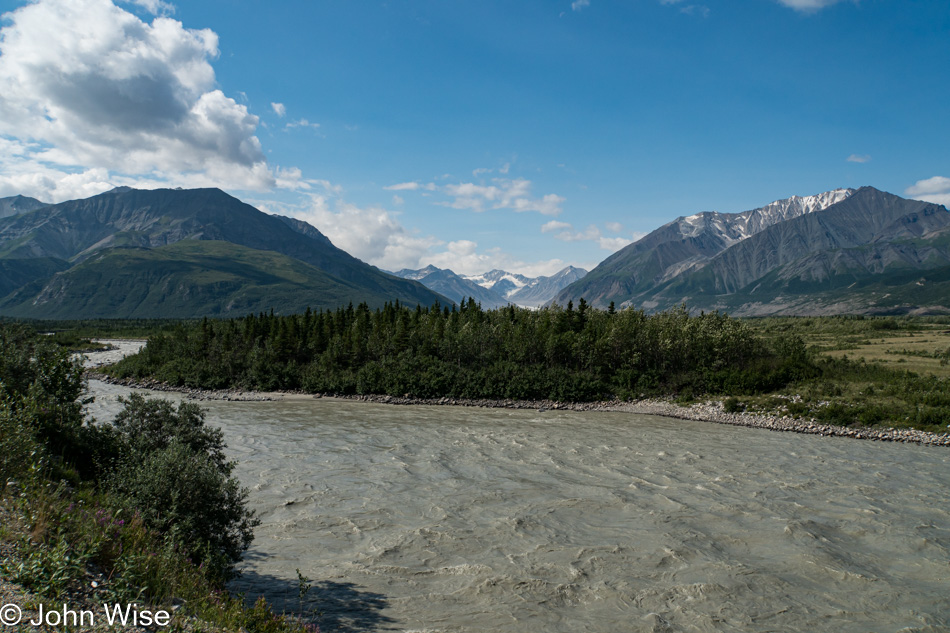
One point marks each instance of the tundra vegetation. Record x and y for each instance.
(795, 366)
(146, 505)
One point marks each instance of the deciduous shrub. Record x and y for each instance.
(173, 471)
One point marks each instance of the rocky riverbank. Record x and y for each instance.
(708, 411)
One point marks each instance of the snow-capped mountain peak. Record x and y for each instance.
(500, 281)
(416, 275)
(735, 227)
(496, 287)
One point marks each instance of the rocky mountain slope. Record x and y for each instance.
(837, 245)
(453, 286)
(681, 245)
(540, 290)
(15, 205)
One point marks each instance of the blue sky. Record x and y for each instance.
(474, 134)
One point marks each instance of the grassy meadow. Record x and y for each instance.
(874, 371)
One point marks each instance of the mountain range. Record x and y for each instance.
(496, 288)
(852, 251)
(201, 252)
(176, 253)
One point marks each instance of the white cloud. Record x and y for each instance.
(503, 170)
(692, 9)
(592, 233)
(612, 243)
(808, 5)
(859, 158)
(155, 7)
(696, 9)
(301, 123)
(88, 86)
(372, 234)
(327, 186)
(554, 225)
(377, 236)
(51, 185)
(502, 194)
(936, 189)
(410, 186)
(291, 178)
(279, 109)
(463, 257)
(577, 5)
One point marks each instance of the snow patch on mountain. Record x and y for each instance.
(500, 281)
(735, 227)
(496, 287)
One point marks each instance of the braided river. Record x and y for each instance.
(449, 519)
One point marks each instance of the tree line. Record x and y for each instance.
(559, 353)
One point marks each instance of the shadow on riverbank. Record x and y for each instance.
(334, 606)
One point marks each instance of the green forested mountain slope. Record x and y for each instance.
(80, 230)
(190, 278)
(16, 273)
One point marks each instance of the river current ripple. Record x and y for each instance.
(444, 519)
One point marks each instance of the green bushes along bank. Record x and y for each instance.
(147, 505)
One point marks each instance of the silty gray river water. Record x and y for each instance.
(460, 519)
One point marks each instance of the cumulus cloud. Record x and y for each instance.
(859, 158)
(577, 5)
(377, 236)
(36, 180)
(279, 109)
(372, 234)
(88, 86)
(936, 189)
(155, 7)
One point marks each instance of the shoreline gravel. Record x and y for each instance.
(709, 411)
